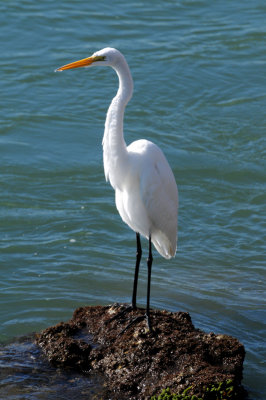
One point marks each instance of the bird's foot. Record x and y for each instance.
(137, 320)
(121, 313)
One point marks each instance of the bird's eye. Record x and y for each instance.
(100, 58)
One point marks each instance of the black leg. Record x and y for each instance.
(149, 265)
(134, 295)
(135, 286)
(133, 305)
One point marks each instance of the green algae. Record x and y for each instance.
(167, 395)
(219, 391)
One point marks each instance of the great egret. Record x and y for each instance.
(146, 194)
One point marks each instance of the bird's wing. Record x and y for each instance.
(160, 197)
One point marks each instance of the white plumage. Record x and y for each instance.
(145, 189)
(147, 196)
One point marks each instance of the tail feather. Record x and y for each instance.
(165, 247)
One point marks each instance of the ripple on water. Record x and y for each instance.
(26, 374)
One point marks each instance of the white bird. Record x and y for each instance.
(146, 194)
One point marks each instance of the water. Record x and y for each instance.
(26, 374)
(200, 94)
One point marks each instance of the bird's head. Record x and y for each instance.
(104, 57)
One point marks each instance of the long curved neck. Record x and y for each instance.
(114, 146)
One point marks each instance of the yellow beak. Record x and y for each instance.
(85, 62)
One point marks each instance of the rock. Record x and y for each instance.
(138, 363)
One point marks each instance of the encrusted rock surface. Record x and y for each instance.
(137, 363)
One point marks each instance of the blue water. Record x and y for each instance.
(200, 94)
